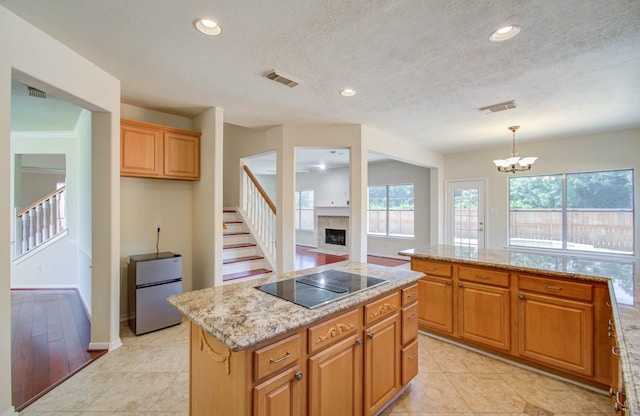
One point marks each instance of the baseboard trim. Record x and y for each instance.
(109, 346)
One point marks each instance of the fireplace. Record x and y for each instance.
(335, 237)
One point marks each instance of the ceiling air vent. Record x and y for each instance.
(494, 108)
(34, 92)
(283, 79)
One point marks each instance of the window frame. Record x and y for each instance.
(564, 211)
(387, 211)
(299, 209)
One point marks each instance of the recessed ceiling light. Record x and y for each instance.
(322, 166)
(207, 26)
(505, 33)
(348, 92)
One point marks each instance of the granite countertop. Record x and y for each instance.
(622, 276)
(239, 315)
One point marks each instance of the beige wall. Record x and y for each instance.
(147, 202)
(71, 77)
(604, 151)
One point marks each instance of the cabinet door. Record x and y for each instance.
(435, 304)
(280, 395)
(381, 363)
(181, 155)
(409, 323)
(484, 315)
(557, 332)
(335, 380)
(140, 151)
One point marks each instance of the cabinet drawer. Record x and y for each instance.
(409, 294)
(333, 330)
(276, 356)
(431, 267)
(381, 308)
(571, 290)
(486, 276)
(409, 362)
(409, 323)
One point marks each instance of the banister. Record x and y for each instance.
(40, 201)
(259, 188)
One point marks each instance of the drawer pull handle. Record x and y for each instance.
(459, 284)
(279, 360)
(615, 351)
(359, 341)
(413, 316)
(549, 287)
(413, 356)
(448, 283)
(298, 376)
(482, 276)
(431, 269)
(412, 295)
(521, 296)
(371, 335)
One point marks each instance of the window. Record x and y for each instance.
(591, 211)
(390, 210)
(304, 210)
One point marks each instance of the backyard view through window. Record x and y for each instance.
(390, 210)
(589, 211)
(304, 210)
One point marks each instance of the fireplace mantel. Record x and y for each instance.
(332, 210)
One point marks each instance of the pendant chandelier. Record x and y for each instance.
(514, 163)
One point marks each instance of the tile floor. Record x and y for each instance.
(148, 376)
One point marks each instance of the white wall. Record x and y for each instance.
(604, 151)
(83, 175)
(35, 185)
(71, 77)
(393, 172)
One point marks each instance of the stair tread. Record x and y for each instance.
(238, 233)
(233, 222)
(241, 259)
(229, 211)
(242, 245)
(244, 274)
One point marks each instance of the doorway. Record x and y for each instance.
(465, 214)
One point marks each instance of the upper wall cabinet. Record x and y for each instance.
(154, 151)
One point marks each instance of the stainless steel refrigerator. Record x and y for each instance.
(152, 278)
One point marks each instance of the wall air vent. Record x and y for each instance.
(283, 79)
(494, 108)
(34, 92)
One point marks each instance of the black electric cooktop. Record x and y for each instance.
(320, 288)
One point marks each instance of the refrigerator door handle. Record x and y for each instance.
(164, 282)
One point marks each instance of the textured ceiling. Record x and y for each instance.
(422, 68)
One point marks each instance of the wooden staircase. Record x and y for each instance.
(242, 258)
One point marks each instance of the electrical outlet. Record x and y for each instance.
(38, 268)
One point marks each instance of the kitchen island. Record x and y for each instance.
(253, 353)
(574, 316)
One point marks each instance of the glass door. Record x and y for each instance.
(465, 219)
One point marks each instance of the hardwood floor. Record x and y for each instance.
(306, 258)
(50, 335)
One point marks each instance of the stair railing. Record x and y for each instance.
(259, 212)
(40, 221)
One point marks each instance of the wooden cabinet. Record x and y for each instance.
(555, 323)
(484, 310)
(409, 352)
(435, 291)
(280, 395)
(349, 364)
(381, 363)
(153, 151)
(336, 373)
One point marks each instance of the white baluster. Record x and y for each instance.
(52, 216)
(45, 220)
(38, 228)
(31, 235)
